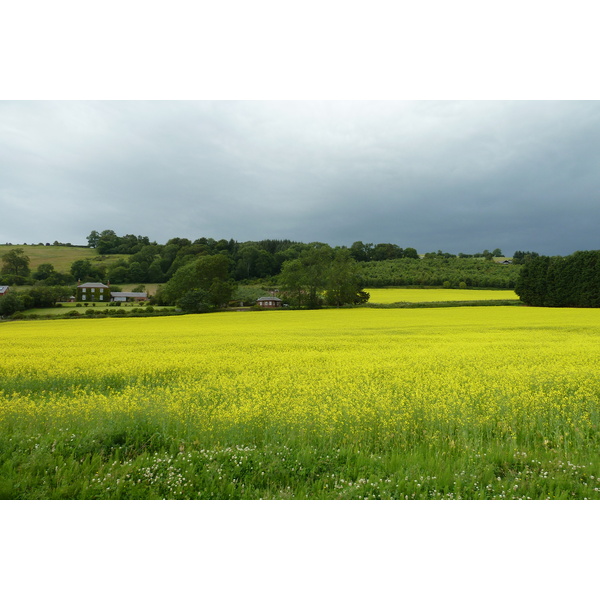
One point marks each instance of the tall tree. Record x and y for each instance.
(93, 239)
(16, 262)
(205, 274)
(343, 282)
(306, 276)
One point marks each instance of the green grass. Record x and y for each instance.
(69, 306)
(61, 257)
(141, 459)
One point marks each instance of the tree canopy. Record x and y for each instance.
(16, 262)
(199, 284)
(320, 275)
(561, 280)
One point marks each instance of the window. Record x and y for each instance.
(83, 296)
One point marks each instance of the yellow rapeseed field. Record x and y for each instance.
(391, 295)
(397, 374)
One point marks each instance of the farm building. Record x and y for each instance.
(269, 302)
(3, 289)
(92, 292)
(128, 296)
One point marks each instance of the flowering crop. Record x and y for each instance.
(391, 295)
(446, 378)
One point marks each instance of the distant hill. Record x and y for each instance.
(61, 257)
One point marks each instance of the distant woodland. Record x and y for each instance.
(206, 273)
(385, 264)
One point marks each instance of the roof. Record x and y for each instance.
(3, 289)
(93, 284)
(129, 294)
(269, 298)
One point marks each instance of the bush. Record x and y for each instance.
(73, 313)
(90, 311)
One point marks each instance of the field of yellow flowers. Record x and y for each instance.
(418, 295)
(469, 402)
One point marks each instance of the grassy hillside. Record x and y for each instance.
(61, 257)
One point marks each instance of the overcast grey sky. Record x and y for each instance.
(456, 176)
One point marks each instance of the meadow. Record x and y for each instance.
(445, 403)
(61, 257)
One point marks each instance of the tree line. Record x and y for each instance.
(205, 274)
(558, 281)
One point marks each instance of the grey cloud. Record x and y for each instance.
(460, 176)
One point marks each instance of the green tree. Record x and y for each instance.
(107, 242)
(16, 262)
(206, 273)
(532, 283)
(221, 292)
(343, 281)
(10, 303)
(306, 277)
(43, 296)
(84, 269)
(361, 252)
(93, 239)
(44, 271)
(194, 301)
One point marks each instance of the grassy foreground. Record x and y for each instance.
(484, 402)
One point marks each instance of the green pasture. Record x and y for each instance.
(61, 257)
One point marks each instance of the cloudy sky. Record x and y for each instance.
(457, 176)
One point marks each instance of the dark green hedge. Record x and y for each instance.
(561, 280)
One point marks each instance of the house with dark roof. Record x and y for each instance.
(92, 292)
(269, 302)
